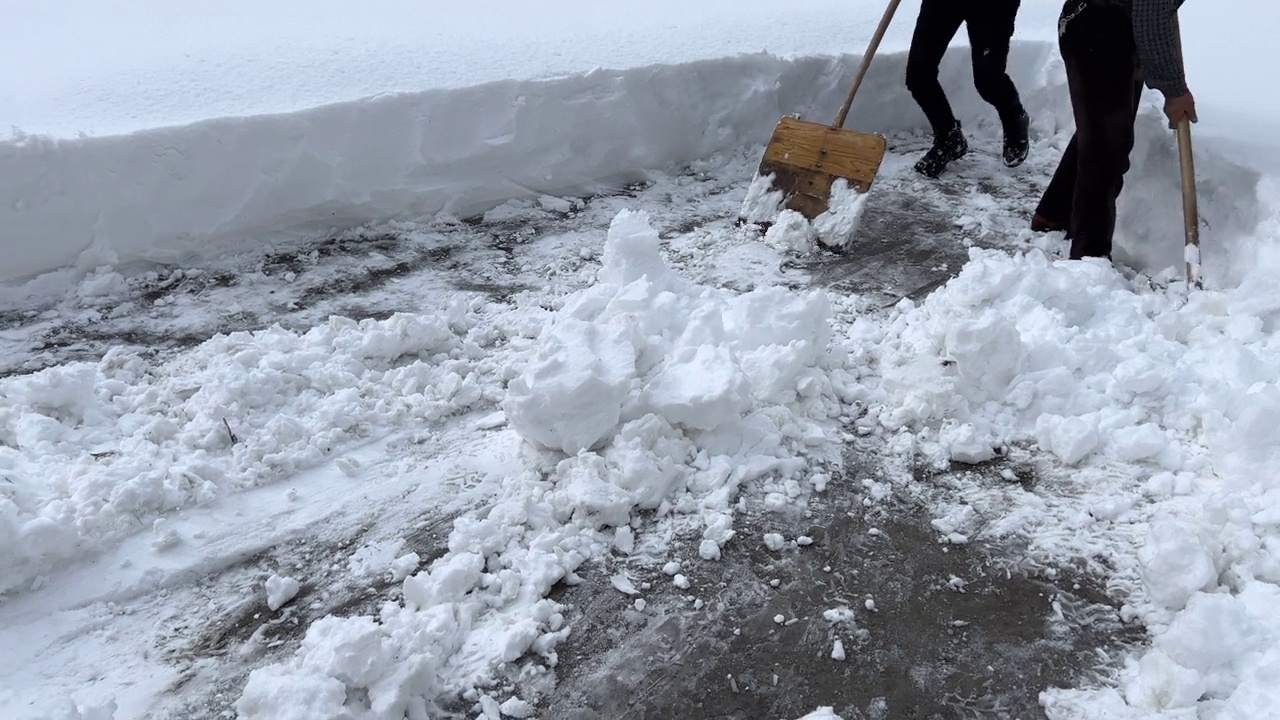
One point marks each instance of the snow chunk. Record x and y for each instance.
(791, 231)
(1176, 563)
(824, 712)
(838, 226)
(762, 202)
(1210, 633)
(838, 615)
(447, 581)
(349, 649)
(570, 396)
(631, 253)
(275, 692)
(1162, 684)
(709, 550)
(624, 539)
(403, 565)
(1140, 442)
(966, 444)
(1070, 438)
(623, 584)
(700, 387)
(280, 590)
(517, 708)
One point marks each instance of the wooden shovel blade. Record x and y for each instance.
(806, 158)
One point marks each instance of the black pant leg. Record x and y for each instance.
(936, 25)
(990, 24)
(1102, 70)
(1055, 203)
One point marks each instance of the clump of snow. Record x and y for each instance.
(623, 584)
(825, 712)
(763, 201)
(280, 590)
(838, 614)
(517, 708)
(837, 650)
(836, 227)
(1177, 562)
(403, 565)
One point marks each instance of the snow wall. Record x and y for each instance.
(175, 194)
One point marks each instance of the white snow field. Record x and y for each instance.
(624, 385)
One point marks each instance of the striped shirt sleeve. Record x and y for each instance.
(1153, 31)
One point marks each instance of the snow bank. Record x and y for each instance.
(170, 194)
(93, 452)
(644, 391)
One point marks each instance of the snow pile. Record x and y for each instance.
(92, 452)
(1020, 348)
(642, 392)
(1173, 397)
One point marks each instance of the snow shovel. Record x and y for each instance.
(806, 158)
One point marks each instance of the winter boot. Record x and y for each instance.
(947, 146)
(1016, 140)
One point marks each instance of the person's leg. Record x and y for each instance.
(990, 24)
(937, 24)
(1101, 59)
(1053, 213)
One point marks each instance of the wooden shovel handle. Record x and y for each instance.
(1190, 207)
(866, 62)
(1190, 212)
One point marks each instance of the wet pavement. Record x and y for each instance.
(928, 629)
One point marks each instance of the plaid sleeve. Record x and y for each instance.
(1153, 31)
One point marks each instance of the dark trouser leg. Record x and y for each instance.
(990, 25)
(1102, 75)
(1055, 203)
(937, 24)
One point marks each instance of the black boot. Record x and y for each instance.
(1016, 140)
(947, 146)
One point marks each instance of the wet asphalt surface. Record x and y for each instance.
(929, 629)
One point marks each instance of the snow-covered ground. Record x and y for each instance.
(396, 380)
